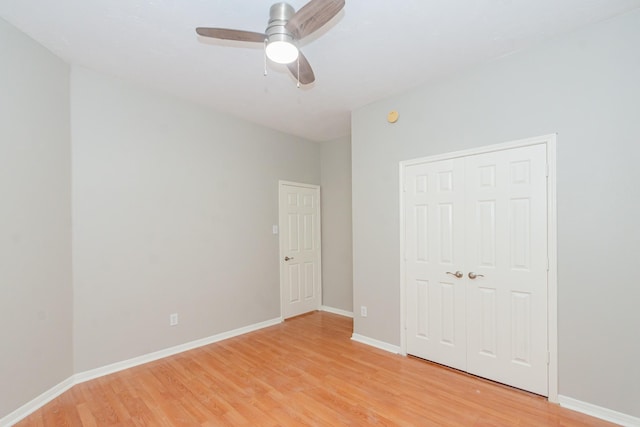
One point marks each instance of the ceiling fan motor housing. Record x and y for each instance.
(279, 15)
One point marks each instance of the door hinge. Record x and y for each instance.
(548, 357)
(547, 264)
(546, 170)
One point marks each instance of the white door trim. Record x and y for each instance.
(281, 225)
(552, 242)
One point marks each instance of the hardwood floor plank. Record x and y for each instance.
(304, 372)
(86, 416)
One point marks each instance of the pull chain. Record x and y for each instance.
(298, 71)
(265, 57)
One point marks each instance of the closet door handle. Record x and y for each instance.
(458, 274)
(287, 258)
(473, 275)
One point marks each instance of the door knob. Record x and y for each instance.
(473, 275)
(458, 274)
(287, 258)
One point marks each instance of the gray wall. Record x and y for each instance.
(173, 207)
(337, 262)
(35, 215)
(585, 87)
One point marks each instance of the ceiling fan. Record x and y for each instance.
(285, 28)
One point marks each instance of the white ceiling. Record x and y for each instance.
(371, 50)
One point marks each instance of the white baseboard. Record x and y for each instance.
(598, 412)
(337, 311)
(81, 377)
(375, 343)
(37, 403)
(150, 357)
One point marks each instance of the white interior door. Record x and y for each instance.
(506, 235)
(484, 216)
(436, 297)
(300, 248)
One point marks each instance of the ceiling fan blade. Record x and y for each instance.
(226, 34)
(312, 16)
(306, 73)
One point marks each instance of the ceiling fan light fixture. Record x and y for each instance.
(280, 48)
(282, 51)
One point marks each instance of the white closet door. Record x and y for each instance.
(485, 216)
(434, 209)
(506, 248)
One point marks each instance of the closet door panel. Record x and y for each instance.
(506, 263)
(434, 247)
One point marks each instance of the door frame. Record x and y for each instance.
(552, 243)
(282, 224)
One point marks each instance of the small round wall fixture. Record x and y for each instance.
(392, 117)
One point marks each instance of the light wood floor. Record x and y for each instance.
(305, 371)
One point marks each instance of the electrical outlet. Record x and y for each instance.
(363, 311)
(173, 319)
